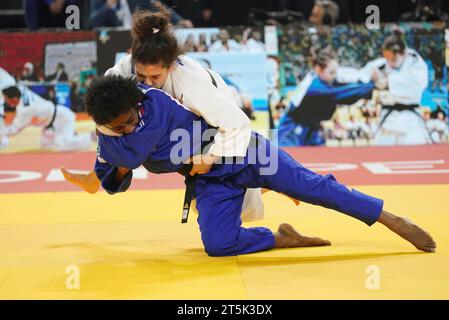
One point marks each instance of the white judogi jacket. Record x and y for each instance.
(405, 84)
(31, 106)
(191, 84)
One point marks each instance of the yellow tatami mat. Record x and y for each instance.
(71, 245)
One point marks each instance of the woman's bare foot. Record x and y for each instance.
(88, 182)
(409, 231)
(296, 202)
(288, 237)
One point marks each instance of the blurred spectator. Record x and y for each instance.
(76, 100)
(189, 44)
(46, 13)
(336, 132)
(324, 12)
(353, 128)
(28, 73)
(117, 13)
(110, 13)
(60, 75)
(201, 46)
(205, 19)
(225, 43)
(368, 128)
(252, 41)
(437, 58)
(425, 11)
(438, 126)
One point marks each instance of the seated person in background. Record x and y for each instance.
(225, 43)
(28, 73)
(60, 75)
(438, 126)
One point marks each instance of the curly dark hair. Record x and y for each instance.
(111, 96)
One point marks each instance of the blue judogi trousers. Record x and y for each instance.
(219, 202)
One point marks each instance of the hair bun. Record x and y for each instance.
(146, 24)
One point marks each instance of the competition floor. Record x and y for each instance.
(133, 246)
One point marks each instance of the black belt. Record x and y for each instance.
(402, 107)
(396, 107)
(190, 181)
(50, 125)
(190, 190)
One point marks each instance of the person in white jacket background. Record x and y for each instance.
(157, 60)
(58, 121)
(405, 77)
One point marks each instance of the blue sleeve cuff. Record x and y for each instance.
(111, 187)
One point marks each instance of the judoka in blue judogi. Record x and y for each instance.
(155, 137)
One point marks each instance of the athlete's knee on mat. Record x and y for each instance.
(219, 246)
(219, 251)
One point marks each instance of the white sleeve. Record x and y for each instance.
(122, 68)
(22, 118)
(220, 110)
(351, 75)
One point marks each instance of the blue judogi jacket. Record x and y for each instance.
(166, 129)
(321, 100)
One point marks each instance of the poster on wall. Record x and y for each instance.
(350, 86)
(70, 57)
(246, 72)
